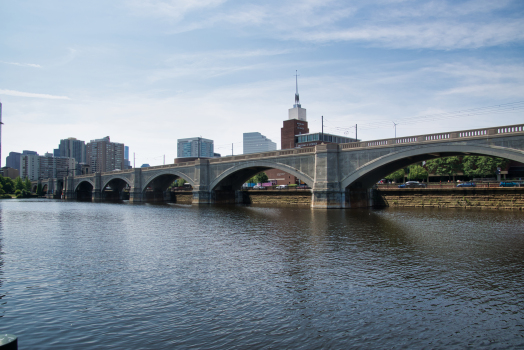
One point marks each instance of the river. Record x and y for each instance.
(77, 275)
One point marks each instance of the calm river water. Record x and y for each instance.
(118, 276)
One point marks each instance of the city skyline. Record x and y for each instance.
(151, 72)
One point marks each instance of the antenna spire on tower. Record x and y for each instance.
(297, 98)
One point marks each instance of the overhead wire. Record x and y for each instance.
(501, 108)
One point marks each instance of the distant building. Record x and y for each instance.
(37, 167)
(308, 140)
(103, 155)
(13, 160)
(10, 172)
(254, 142)
(197, 147)
(29, 166)
(127, 163)
(72, 148)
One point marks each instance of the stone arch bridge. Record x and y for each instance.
(340, 175)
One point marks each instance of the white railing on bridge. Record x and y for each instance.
(447, 136)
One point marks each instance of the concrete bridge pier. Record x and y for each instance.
(360, 198)
(135, 192)
(96, 195)
(69, 187)
(202, 197)
(326, 193)
(135, 195)
(328, 199)
(50, 189)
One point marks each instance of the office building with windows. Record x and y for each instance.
(254, 142)
(195, 147)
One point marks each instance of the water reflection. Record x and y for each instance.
(164, 276)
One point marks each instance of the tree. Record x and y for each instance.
(449, 166)
(180, 182)
(27, 185)
(416, 172)
(480, 166)
(7, 184)
(397, 175)
(19, 185)
(259, 178)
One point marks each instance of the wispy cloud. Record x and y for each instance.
(441, 25)
(32, 95)
(174, 9)
(22, 64)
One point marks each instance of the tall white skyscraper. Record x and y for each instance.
(254, 142)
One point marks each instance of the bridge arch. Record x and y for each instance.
(249, 169)
(112, 178)
(84, 189)
(171, 174)
(83, 182)
(371, 172)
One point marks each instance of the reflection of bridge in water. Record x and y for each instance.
(340, 175)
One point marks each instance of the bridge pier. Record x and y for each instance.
(202, 197)
(326, 199)
(69, 188)
(135, 195)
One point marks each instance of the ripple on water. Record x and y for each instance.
(77, 275)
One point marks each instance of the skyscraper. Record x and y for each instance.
(254, 142)
(103, 155)
(195, 147)
(72, 148)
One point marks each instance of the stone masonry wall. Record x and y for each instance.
(282, 198)
(482, 198)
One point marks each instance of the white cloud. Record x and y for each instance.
(32, 95)
(174, 9)
(441, 25)
(23, 64)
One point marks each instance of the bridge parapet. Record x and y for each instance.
(438, 137)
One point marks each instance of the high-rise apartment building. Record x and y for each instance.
(13, 159)
(37, 167)
(29, 166)
(254, 142)
(72, 148)
(196, 147)
(103, 155)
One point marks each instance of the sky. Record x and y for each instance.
(148, 72)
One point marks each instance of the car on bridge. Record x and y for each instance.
(412, 184)
(509, 184)
(467, 184)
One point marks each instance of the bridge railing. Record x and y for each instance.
(445, 136)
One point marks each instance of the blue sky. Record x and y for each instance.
(149, 72)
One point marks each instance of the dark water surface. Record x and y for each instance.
(118, 276)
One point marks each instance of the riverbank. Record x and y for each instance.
(480, 198)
